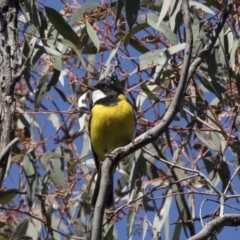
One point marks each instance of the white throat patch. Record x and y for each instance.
(97, 94)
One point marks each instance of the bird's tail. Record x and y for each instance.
(110, 197)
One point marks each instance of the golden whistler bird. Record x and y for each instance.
(112, 125)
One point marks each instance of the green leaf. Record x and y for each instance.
(24, 121)
(37, 54)
(176, 19)
(206, 139)
(120, 5)
(145, 219)
(52, 51)
(30, 171)
(61, 94)
(57, 68)
(58, 168)
(93, 35)
(131, 219)
(55, 120)
(126, 40)
(77, 51)
(236, 153)
(149, 59)
(62, 26)
(201, 7)
(164, 10)
(146, 90)
(49, 215)
(228, 40)
(163, 28)
(238, 82)
(233, 52)
(166, 55)
(106, 67)
(108, 230)
(7, 196)
(27, 76)
(132, 8)
(88, 7)
(57, 162)
(41, 89)
(163, 214)
(43, 24)
(177, 229)
(33, 13)
(20, 230)
(26, 48)
(46, 157)
(138, 46)
(136, 161)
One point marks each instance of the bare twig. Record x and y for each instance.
(199, 173)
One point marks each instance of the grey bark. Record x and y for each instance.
(8, 69)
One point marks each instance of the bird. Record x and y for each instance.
(112, 124)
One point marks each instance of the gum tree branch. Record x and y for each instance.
(230, 220)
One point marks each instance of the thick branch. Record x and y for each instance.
(230, 220)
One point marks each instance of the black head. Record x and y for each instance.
(105, 89)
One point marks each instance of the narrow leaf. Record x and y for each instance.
(205, 139)
(31, 176)
(57, 67)
(163, 28)
(77, 51)
(93, 35)
(41, 88)
(164, 10)
(120, 6)
(146, 90)
(132, 8)
(7, 196)
(20, 230)
(62, 26)
(167, 54)
(88, 7)
(201, 7)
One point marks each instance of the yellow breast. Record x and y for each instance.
(111, 126)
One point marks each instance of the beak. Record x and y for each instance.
(91, 88)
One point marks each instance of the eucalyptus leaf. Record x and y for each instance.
(62, 26)
(132, 8)
(93, 35)
(86, 8)
(20, 230)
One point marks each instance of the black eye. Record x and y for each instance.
(105, 87)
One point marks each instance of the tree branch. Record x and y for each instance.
(230, 220)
